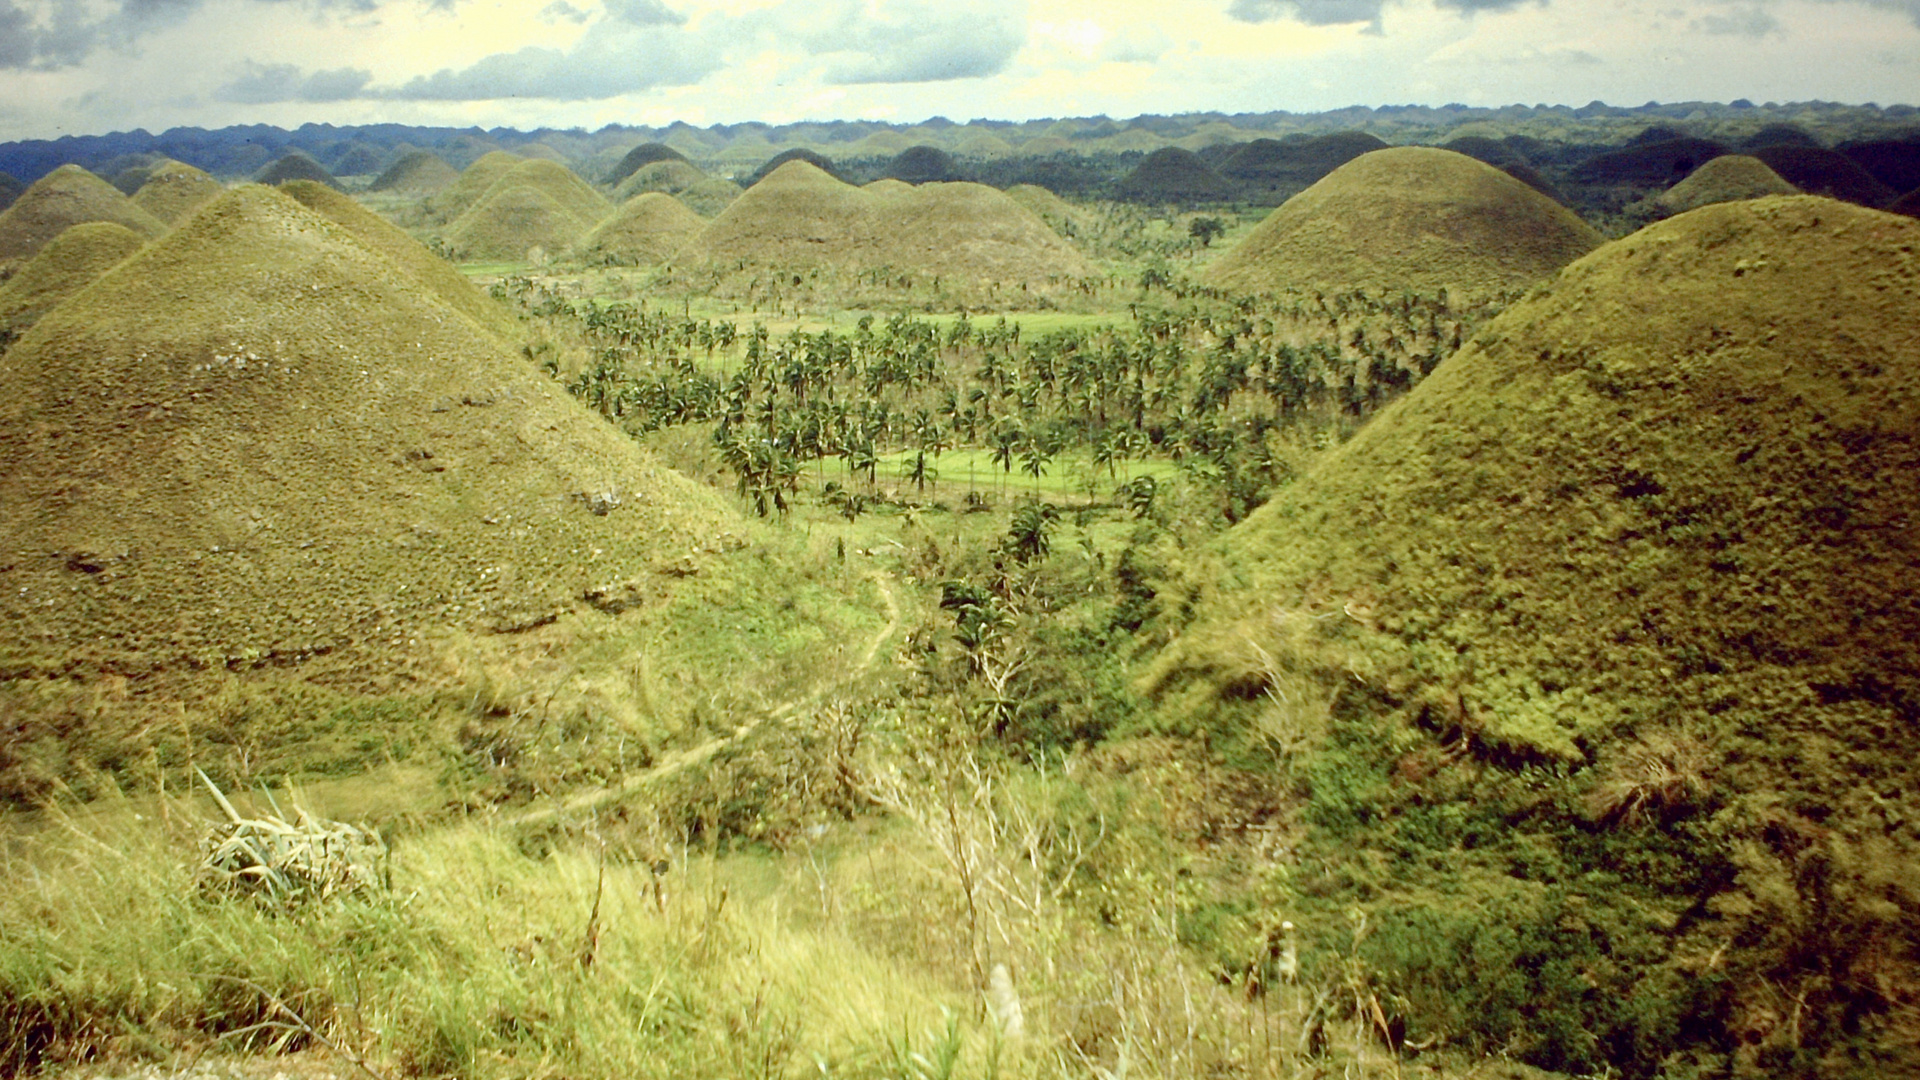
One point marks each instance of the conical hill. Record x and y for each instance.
(295, 166)
(647, 230)
(1173, 175)
(559, 183)
(474, 182)
(65, 197)
(1408, 219)
(642, 156)
(64, 267)
(672, 177)
(511, 222)
(259, 441)
(796, 216)
(1724, 179)
(426, 269)
(174, 190)
(1614, 620)
(416, 170)
(799, 217)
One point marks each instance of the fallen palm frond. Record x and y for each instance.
(289, 863)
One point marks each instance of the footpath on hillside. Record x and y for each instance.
(679, 760)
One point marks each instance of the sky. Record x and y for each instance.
(95, 66)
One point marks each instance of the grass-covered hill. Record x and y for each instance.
(1724, 179)
(646, 230)
(173, 190)
(65, 266)
(1893, 162)
(1412, 218)
(1593, 663)
(262, 442)
(710, 196)
(1649, 164)
(415, 170)
(473, 184)
(1173, 175)
(671, 177)
(801, 219)
(63, 198)
(924, 165)
(642, 156)
(423, 268)
(1273, 169)
(1826, 172)
(294, 166)
(534, 204)
(10, 189)
(801, 154)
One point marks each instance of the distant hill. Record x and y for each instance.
(640, 157)
(1279, 167)
(800, 218)
(645, 231)
(173, 190)
(295, 166)
(1826, 172)
(66, 197)
(1724, 179)
(417, 170)
(1414, 219)
(1653, 164)
(671, 177)
(795, 154)
(924, 165)
(1895, 163)
(1173, 175)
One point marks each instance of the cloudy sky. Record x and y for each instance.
(92, 66)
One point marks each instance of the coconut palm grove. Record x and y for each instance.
(1403, 592)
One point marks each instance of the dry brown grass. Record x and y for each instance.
(174, 190)
(65, 197)
(261, 441)
(1413, 218)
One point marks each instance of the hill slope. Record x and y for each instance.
(63, 198)
(1724, 179)
(261, 442)
(1613, 627)
(64, 267)
(174, 190)
(645, 231)
(1409, 218)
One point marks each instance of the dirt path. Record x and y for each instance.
(694, 755)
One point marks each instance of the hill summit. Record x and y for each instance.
(800, 218)
(65, 197)
(261, 441)
(1616, 609)
(1409, 218)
